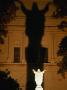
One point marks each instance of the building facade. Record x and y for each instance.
(12, 52)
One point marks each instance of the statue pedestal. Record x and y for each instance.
(39, 88)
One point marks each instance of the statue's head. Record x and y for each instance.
(34, 7)
(38, 70)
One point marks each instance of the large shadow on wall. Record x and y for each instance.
(36, 55)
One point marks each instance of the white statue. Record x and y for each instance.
(38, 77)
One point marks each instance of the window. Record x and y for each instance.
(16, 55)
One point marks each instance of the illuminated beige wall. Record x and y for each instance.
(52, 80)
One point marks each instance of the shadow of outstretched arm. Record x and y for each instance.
(23, 7)
(46, 8)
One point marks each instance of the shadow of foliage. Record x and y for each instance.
(62, 25)
(7, 13)
(3, 34)
(61, 8)
(62, 52)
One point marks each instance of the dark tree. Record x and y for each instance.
(7, 82)
(7, 10)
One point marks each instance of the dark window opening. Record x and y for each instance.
(16, 55)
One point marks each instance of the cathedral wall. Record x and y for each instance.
(16, 37)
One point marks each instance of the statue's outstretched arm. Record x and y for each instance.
(46, 8)
(33, 71)
(43, 71)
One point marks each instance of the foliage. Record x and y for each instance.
(7, 82)
(7, 10)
